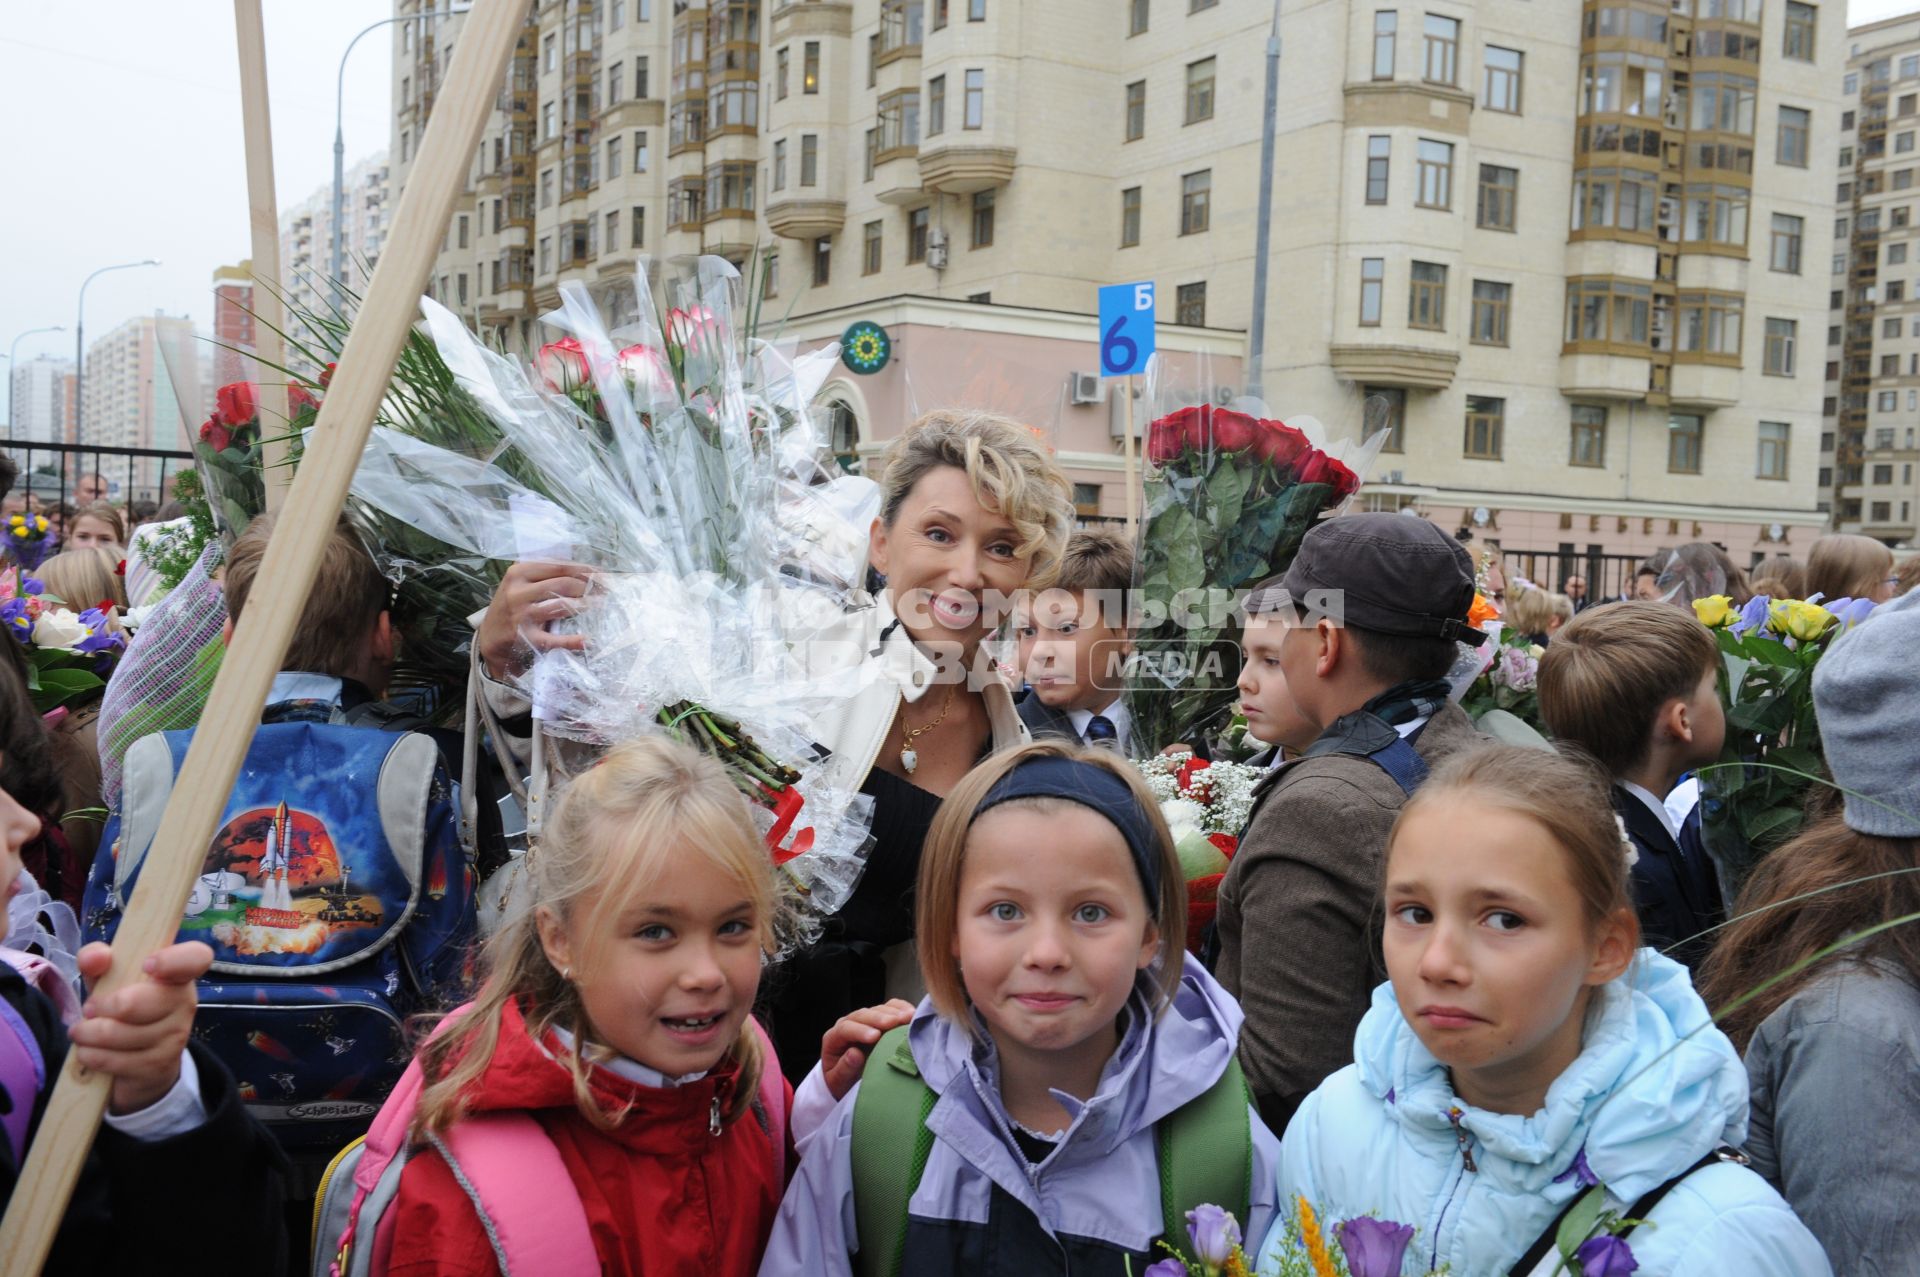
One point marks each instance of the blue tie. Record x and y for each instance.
(1101, 731)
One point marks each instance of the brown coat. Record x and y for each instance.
(1299, 921)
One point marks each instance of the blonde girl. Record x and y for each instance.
(1845, 566)
(84, 578)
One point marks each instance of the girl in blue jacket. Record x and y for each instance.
(1525, 1050)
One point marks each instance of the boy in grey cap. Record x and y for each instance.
(1372, 610)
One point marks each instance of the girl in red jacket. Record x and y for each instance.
(616, 1013)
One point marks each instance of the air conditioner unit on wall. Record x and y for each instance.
(1085, 388)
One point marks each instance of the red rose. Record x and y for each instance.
(298, 397)
(215, 435)
(1167, 436)
(1197, 427)
(326, 376)
(1345, 481)
(1233, 431)
(233, 404)
(1279, 444)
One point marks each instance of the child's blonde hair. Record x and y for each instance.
(1847, 566)
(84, 578)
(944, 854)
(648, 806)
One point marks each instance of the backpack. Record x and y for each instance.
(510, 1170)
(23, 1075)
(337, 898)
(1205, 1153)
(1542, 1259)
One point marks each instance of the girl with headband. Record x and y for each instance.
(1067, 1092)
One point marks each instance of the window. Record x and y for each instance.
(1130, 217)
(637, 226)
(1386, 25)
(546, 188)
(406, 146)
(810, 69)
(1373, 274)
(1491, 303)
(936, 106)
(1715, 215)
(1909, 103)
(1499, 195)
(1196, 197)
(1393, 414)
(613, 230)
(1683, 443)
(1503, 79)
(1723, 102)
(618, 18)
(870, 249)
(782, 65)
(1896, 256)
(900, 22)
(1434, 175)
(616, 76)
(1137, 17)
(1782, 336)
(640, 151)
(1882, 476)
(1799, 41)
(983, 219)
(976, 100)
(1191, 305)
(917, 222)
(1379, 154)
(1882, 511)
(1136, 110)
(1794, 127)
(809, 159)
(873, 59)
(640, 78)
(1902, 179)
(462, 239)
(899, 122)
(1611, 312)
(1195, 6)
(1199, 91)
(976, 10)
(1427, 297)
(778, 181)
(1486, 419)
(872, 151)
(1709, 323)
(549, 52)
(1889, 367)
(1443, 50)
(1787, 231)
(1887, 400)
(1891, 328)
(822, 260)
(1850, 85)
(770, 277)
(613, 157)
(1903, 142)
(549, 122)
(546, 254)
(1589, 445)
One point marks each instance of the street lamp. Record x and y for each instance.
(79, 350)
(1263, 231)
(340, 142)
(13, 363)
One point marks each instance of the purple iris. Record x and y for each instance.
(1753, 616)
(1580, 1173)
(1213, 1232)
(1166, 1268)
(13, 615)
(1373, 1247)
(1605, 1257)
(102, 641)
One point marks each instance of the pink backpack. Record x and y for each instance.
(509, 1169)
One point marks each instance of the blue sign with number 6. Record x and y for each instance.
(1126, 328)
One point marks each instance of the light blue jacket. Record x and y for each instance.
(1639, 1103)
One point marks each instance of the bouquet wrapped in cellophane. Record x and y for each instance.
(680, 461)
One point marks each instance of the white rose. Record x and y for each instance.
(1184, 816)
(58, 627)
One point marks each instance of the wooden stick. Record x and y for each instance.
(269, 315)
(285, 578)
(1132, 466)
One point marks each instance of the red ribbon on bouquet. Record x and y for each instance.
(787, 803)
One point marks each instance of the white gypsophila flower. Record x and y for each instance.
(1627, 849)
(58, 628)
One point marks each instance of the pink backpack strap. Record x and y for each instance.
(23, 1075)
(524, 1194)
(773, 1101)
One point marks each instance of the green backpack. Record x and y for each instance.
(1206, 1153)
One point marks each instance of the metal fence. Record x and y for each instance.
(78, 474)
(1608, 576)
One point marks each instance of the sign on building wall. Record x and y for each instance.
(1126, 328)
(865, 347)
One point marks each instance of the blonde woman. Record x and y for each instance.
(1850, 567)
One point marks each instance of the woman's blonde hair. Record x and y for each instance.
(1845, 566)
(944, 854)
(649, 806)
(1528, 610)
(84, 578)
(1010, 471)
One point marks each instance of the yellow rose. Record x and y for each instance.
(1716, 612)
(1803, 621)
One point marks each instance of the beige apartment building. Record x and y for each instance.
(1571, 248)
(306, 243)
(143, 390)
(1868, 450)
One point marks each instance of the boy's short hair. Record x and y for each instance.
(349, 594)
(1096, 559)
(1610, 669)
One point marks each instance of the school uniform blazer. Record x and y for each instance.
(1043, 720)
(1676, 895)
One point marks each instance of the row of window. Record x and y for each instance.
(1883, 436)
(1440, 59)
(1484, 435)
(1199, 100)
(873, 236)
(1139, 13)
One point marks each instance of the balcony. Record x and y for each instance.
(1699, 385)
(896, 177)
(810, 17)
(800, 216)
(1585, 375)
(1386, 364)
(959, 169)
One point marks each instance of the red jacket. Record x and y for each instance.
(662, 1194)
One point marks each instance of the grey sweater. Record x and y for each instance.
(1836, 1114)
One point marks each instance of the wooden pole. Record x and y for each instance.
(269, 314)
(1132, 466)
(285, 579)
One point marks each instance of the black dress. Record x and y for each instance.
(846, 970)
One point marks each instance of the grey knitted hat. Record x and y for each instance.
(1866, 689)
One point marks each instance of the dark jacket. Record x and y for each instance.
(1044, 721)
(1675, 892)
(156, 1207)
(1299, 928)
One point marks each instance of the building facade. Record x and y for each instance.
(234, 325)
(306, 244)
(1566, 251)
(1872, 403)
(41, 396)
(143, 389)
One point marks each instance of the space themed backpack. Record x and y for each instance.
(337, 898)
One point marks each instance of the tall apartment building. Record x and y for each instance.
(234, 325)
(1570, 247)
(41, 396)
(1868, 449)
(306, 241)
(142, 386)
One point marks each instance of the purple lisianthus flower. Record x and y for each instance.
(1605, 1257)
(1166, 1268)
(1851, 611)
(1753, 616)
(1213, 1232)
(1373, 1247)
(1580, 1173)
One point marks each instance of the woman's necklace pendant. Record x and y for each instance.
(909, 759)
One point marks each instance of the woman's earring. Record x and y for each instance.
(566, 973)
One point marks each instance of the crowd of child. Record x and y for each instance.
(1465, 989)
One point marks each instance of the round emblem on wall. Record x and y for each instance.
(865, 347)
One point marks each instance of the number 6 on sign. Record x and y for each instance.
(1126, 328)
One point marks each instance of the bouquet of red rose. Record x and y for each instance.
(228, 450)
(1228, 499)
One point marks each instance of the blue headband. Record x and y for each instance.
(1097, 789)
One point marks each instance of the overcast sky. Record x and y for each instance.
(121, 128)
